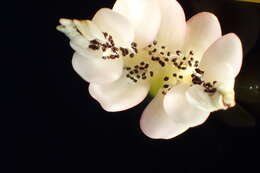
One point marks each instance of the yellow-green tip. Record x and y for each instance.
(253, 1)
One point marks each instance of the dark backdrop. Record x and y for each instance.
(51, 124)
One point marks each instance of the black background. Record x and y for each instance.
(51, 124)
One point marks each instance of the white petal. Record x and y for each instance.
(155, 123)
(119, 95)
(85, 31)
(116, 25)
(97, 70)
(222, 73)
(68, 28)
(180, 110)
(197, 97)
(144, 15)
(227, 49)
(80, 45)
(80, 33)
(88, 29)
(202, 30)
(173, 24)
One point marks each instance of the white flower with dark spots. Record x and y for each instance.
(146, 46)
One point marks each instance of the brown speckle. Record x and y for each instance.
(165, 86)
(166, 78)
(132, 55)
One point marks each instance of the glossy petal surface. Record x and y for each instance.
(180, 110)
(155, 123)
(173, 25)
(97, 70)
(227, 49)
(116, 25)
(196, 96)
(119, 95)
(145, 17)
(202, 30)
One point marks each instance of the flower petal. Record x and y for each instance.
(80, 33)
(173, 25)
(196, 96)
(97, 70)
(80, 45)
(116, 25)
(202, 30)
(144, 15)
(222, 73)
(180, 110)
(119, 95)
(155, 123)
(227, 49)
(88, 29)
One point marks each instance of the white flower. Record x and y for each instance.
(143, 46)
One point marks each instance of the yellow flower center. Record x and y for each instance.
(155, 63)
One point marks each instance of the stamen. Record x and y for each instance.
(190, 64)
(93, 47)
(166, 78)
(164, 92)
(199, 71)
(132, 55)
(140, 70)
(178, 52)
(105, 34)
(165, 86)
(133, 44)
(161, 63)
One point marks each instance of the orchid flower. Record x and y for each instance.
(143, 47)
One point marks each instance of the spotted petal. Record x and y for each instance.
(81, 46)
(203, 29)
(80, 33)
(155, 123)
(116, 25)
(173, 24)
(145, 17)
(222, 73)
(97, 70)
(119, 95)
(196, 96)
(180, 110)
(88, 29)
